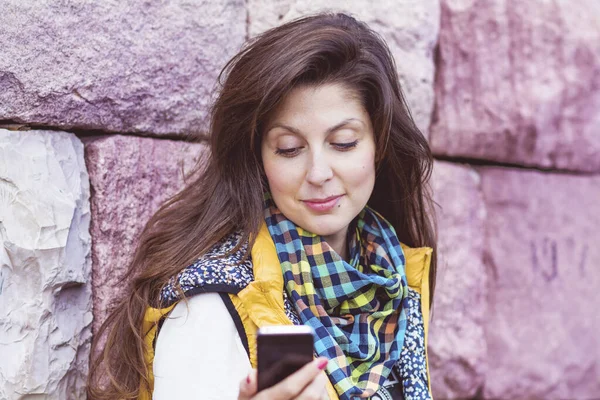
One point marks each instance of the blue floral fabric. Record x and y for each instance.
(212, 272)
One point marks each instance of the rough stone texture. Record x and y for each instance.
(130, 177)
(457, 347)
(543, 256)
(409, 27)
(519, 82)
(45, 266)
(112, 65)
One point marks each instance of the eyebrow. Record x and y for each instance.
(329, 130)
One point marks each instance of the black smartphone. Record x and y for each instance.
(282, 350)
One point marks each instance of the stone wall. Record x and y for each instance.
(96, 99)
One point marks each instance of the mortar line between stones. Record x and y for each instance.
(87, 133)
(437, 77)
(247, 9)
(478, 163)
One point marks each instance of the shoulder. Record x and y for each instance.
(219, 270)
(189, 358)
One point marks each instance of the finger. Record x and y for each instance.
(248, 386)
(315, 390)
(294, 384)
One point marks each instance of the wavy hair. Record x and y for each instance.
(227, 193)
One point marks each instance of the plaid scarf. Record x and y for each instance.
(357, 309)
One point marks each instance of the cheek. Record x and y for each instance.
(360, 171)
(281, 176)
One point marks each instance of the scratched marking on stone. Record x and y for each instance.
(545, 260)
(534, 258)
(583, 260)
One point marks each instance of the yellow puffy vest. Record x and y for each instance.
(261, 302)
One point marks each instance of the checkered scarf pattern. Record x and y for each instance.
(357, 309)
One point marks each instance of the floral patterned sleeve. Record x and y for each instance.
(413, 364)
(408, 379)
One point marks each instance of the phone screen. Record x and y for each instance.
(280, 355)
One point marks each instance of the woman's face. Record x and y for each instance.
(318, 152)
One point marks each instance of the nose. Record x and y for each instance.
(319, 170)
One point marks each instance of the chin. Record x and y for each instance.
(326, 226)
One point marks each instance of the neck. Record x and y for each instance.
(339, 244)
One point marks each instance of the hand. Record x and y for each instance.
(308, 383)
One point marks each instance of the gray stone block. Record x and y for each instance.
(45, 266)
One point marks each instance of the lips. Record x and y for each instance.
(322, 205)
(323, 200)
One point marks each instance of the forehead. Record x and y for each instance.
(314, 104)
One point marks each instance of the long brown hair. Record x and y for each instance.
(227, 194)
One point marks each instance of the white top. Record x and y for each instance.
(199, 353)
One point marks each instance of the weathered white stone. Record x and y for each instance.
(125, 66)
(457, 346)
(542, 255)
(518, 82)
(45, 266)
(409, 27)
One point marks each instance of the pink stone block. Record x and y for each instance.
(542, 255)
(457, 348)
(518, 82)
(130, 178)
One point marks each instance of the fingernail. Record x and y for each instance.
(322, 364)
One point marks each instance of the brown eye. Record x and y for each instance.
(288, 152)
(345, 146)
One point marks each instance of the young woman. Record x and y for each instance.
(314, 208)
